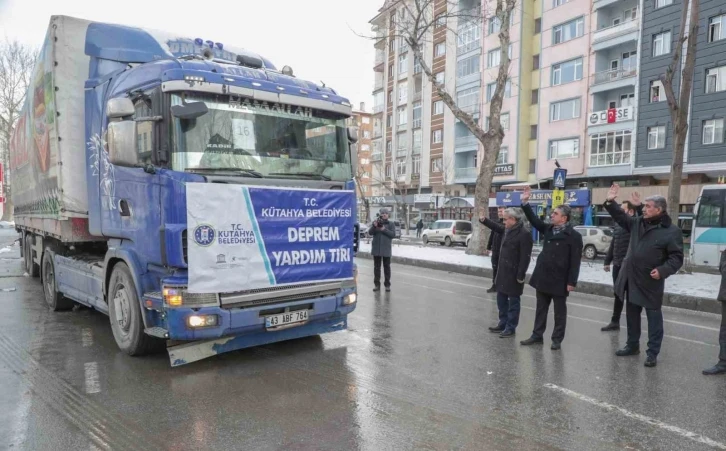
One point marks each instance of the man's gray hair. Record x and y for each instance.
(565, 210)
(515, 213)
(658, 202)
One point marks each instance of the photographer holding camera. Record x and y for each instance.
(383, 233)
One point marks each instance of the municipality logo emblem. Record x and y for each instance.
(204, 235)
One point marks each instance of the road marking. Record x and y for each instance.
(680, 323)
(645, 419)
(569, 316)
(87, 337)
(93, 384)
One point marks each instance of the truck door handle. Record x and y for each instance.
(124, 209)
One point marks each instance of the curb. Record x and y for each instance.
(681, 301)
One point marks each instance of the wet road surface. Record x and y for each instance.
(417, 369)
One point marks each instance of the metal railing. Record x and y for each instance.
(614, 31)
(466, 141)
(465, 173)
(613, 75)
(416, 123)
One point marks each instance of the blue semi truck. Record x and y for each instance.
(196, 194)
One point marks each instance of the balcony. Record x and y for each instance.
(416, 123)
(465, 175)
(610, 120)
(599, 4)
(376, 156)
(470, 79)
(417, 96)
(608, 37)
(378, 108)
(377, 131)
(471, 109)
(613, 79)
(416, 149)
(467, 143)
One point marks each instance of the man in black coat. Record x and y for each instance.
(514, 255)
(655, 253)
(720, 367)
(493, 246)
(616, 254)
(383, 231)
(556, 271)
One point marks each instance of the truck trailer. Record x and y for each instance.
(200, 197)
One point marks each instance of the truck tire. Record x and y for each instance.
(31, 268)
(124, 311)
(55, 300)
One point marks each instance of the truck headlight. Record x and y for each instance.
(178, 296)
(350, 299)
(196, 321)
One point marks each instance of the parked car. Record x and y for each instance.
(363, 227)
(447, 232)
(397, 224)
(595, 240)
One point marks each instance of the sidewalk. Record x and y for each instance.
(695, 291)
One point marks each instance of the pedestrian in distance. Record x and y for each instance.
(616, 254)
(383, 231)
(419, 228)
(654, 254)
(720, 367)
(514, 254)
(493, 246)
(556, 271)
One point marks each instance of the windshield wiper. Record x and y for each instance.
(303, 174)
(250, 172)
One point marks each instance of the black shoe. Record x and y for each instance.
(376, 288)
(611, 326)
(720, 368)
(555, 346)
(627, 350)
(492, 290)
(506, 334)
(388, 289)
(496, 329)
(531, 341)
(651, 361)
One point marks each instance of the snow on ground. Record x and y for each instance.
(696, 284)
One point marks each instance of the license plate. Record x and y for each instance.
(283, 319)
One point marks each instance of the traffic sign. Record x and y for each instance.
(560, 177)
(558, 197)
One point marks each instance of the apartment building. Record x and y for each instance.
(364, 121)
(583, 91)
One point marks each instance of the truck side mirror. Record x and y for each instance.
(354, 158)
(353, 134)
(119, 108)
(191, 110)
(122, 144)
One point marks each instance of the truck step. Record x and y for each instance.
(159, 332)
(156, 295)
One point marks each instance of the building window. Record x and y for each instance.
(567, 72)
(491, 87)
(503, 156)
(657, 92)
(416, 165)
(401, 167)
(535, 96)
(504, 118)
(440, 20)
(390, 96)
(417, 115)
(438, 136)
(389, 147)
(401, 144)
(568, 31)
(417, 140)
(437, 165)
(656, 137)
(716, 27)
(564, 148)
(662, 3)
(494, 25)
(390, 70)
(537, 26)
(468, 38)
(389, 120)
(366, 120)
(402, 93)
(716, 79)
(533, 131)
(532, 165)
(440, 77)
(494, 57)
(557, 3)
(402, 64)
(402, 116)
(388, 171)
(467, 67)
(611, 148)
(438, 107)
(468, 100)
(564, 110)
(440, 49)
(662, 44)
(535, 62)
(713, 131)
(627, 100)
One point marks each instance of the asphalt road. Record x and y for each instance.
(417, 369)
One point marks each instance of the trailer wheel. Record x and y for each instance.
(124, 311)
(55, 300)
(31, 268)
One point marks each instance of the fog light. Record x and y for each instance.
(350, 299)
(173, 297)
(202, 320)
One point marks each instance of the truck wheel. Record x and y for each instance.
(590, 252)
(31, 268)
(124, 312)
(55, 300)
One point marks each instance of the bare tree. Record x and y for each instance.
(396, 184)
(16, 66)
(358, 176)
(416, 28)
(678, 107)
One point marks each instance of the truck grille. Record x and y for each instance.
(185, 247)
(272, 295)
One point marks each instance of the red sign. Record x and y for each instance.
(612, 115)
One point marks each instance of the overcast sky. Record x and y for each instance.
(315, 37)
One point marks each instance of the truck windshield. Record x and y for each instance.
(273, 140)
